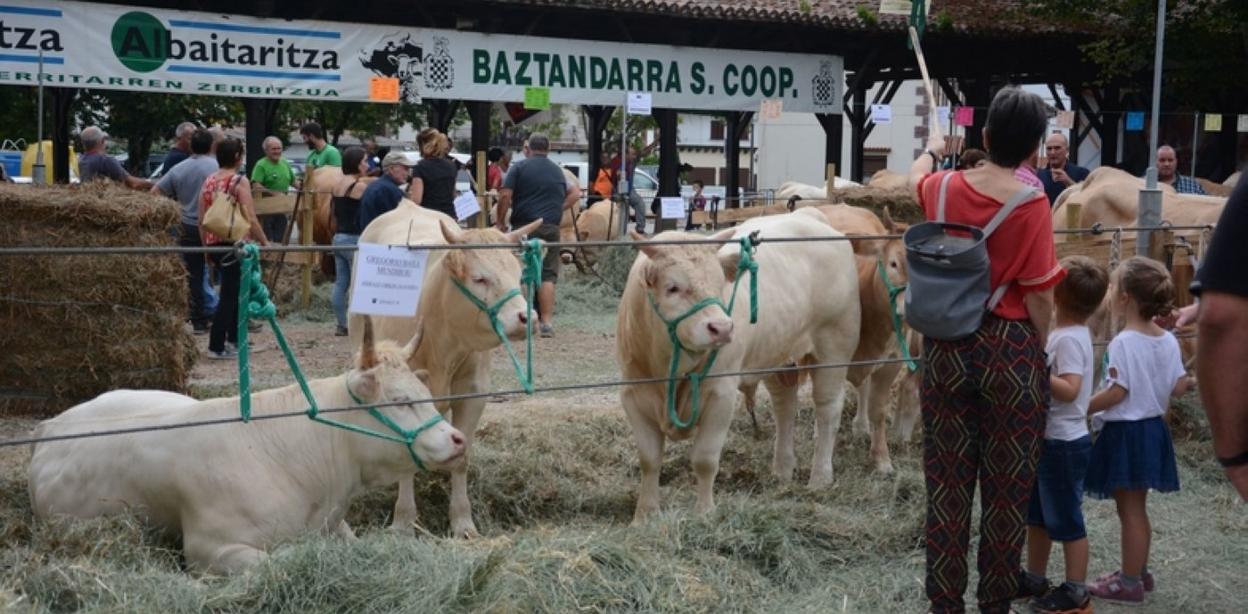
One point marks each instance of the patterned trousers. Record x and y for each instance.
(983, 401)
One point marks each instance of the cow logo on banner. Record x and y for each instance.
(398, 57)
(824, 86)
(440, 66)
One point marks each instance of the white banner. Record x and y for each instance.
(101, 46)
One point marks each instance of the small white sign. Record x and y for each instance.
(1241, 124)
(639, 103)
(771, 109)
(672, 208)
(387, 280)
(466, 205)
(882, 113)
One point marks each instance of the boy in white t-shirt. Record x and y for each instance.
(1055, 512)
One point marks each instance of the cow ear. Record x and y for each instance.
(888, 222)
(520, 233)
(723, 235)
(651, 251)
(728, 258)
(452, 235)
(456, 264)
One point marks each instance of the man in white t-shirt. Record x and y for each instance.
(1055, 512)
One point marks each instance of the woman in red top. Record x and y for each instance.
(984, 397)
(227, 179)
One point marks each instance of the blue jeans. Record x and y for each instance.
(342, 276)
(1057, 496)
(210, 295)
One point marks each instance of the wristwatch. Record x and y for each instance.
(935, 158)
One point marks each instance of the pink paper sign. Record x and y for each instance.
(964, 116)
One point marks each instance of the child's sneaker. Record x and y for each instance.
(1114, 589)
(1031, 586)
(1146, 579)
(1063, 599)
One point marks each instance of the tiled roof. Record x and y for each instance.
(964, 16)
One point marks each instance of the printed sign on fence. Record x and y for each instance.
(1135, 121)
(537, 98)
(1213, 122)
(1241, 124)
(466, 206)
(387, 280)
(672, 207)
(639, 103)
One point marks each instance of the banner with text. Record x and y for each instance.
(104, 46)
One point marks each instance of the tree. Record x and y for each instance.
(142, 119)
(358, 118)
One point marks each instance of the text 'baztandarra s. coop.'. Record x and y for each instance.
(119, 47)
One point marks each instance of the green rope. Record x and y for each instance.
(893, 292)
(745, 264)
(530, 278)
(254, 302)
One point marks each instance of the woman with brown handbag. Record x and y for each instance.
(226, 188)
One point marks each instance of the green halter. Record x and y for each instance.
(530, 278)
(745, 264)
(893, 292)
(401, 435)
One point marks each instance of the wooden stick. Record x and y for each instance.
(281, 258)
(927, 80)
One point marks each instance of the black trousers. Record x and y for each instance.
(225, 322)
(189, 237)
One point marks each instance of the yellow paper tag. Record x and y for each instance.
(1213, 122)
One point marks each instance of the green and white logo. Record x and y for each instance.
(140, 41)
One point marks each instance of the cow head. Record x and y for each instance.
(382, 375)
(489, 274)
(677, 278)
(893, 255)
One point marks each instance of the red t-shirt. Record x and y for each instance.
(1021, 249)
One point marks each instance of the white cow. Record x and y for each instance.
(232, 491)
(808, 306)
(458, 336)
(811, 192)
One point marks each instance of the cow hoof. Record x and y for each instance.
(819, 481)
(885, 467)
(783, 474)
(465, 531)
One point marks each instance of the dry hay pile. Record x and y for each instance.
(900, 201)
(76, 326)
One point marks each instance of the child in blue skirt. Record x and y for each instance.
(1133, 452)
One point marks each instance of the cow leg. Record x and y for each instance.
(206, 552)
(466, 414)
(829, 393)
(907, 406)
(640, 406)
(784, 408)
(858, 377)
(344, 531)
(405, 516)
(716, 421)
(876, 388)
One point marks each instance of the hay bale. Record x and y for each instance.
(900, 202)
(77, 326)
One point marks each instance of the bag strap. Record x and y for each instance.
(1019, 197)
(940, 200)
(1013, 203)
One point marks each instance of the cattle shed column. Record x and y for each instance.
(834, 135)
(259, 119)
(596, 124)
(669, 163)
(734, 126)
(62, 99)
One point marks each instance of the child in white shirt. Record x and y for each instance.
(1134, 452)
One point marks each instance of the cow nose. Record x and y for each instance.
(721, 332)
(457, 438)
(524, 318)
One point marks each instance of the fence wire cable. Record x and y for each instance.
(454, 397)
(95, 251)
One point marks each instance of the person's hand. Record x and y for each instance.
(1060, 176)
(1188, 315)
(936, 144)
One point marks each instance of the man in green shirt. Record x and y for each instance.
(274, 175)
(320, 152)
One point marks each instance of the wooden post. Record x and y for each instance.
(483, 199)
(829, 176)
(1074, 219)
(305, 236)
(1157, 248)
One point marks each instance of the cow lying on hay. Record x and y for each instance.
(235, 490)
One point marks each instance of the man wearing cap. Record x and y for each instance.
(96, 164)
(384, 194)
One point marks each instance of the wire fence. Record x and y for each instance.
(755, 237)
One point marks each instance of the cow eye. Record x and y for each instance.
(673, 289)
(479, 280)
